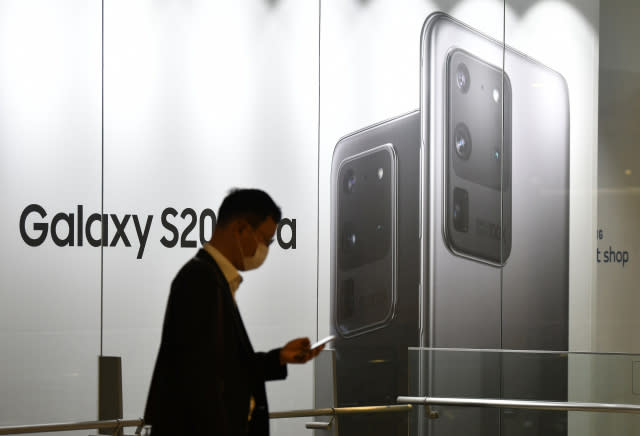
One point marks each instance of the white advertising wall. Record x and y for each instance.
(50, 153)
(197, 98)
(202, 97)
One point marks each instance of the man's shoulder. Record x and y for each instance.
(200, 267)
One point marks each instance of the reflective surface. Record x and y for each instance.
(513, 371)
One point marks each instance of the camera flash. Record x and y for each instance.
(496, 95)
(380, 173)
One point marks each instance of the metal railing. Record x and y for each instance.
(116, 424)
(568, 406)
(405, 405)
(333, 412)
(336, 411)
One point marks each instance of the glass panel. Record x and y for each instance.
(617, 238)
(50, 186)
(528, 375)
(463, 209)
(202, 97)
(395, 185)
(549, 280)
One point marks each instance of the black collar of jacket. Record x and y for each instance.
(227, 298)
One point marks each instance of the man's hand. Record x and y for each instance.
(298, 351)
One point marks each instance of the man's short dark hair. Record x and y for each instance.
(253, 205)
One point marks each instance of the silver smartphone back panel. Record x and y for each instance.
(535, 277)
(462, 296)
(494, 256)
(518, 301)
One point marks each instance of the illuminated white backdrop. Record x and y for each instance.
(200, 97)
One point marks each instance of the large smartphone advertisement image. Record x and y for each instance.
(497, 211)
(494, 200)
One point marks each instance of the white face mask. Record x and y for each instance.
(253, 262)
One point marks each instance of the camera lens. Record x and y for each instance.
(351, 240)
(460, 210)
(463, 79)
(462, 141)
(349, 181)
(496, 155)
(457, 210)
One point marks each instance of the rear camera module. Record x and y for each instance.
(462, 141)
(463, 79)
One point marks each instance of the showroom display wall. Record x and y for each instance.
(199, 98)
(387, 84)
(50, 136)
(371, 59)
(152, 121)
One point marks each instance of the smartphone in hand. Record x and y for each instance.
(322, 342)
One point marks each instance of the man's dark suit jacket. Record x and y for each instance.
(206, 370)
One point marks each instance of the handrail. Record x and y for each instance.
(115, 424)
(405, 405)
(568, 406)
(335, 411)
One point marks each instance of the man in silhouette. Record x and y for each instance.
(208, 380)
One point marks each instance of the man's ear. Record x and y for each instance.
(240, 224)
